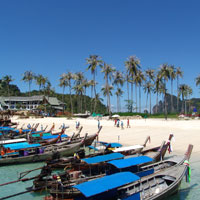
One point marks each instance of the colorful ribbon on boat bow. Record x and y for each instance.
(188, 172)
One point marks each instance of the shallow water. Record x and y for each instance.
(187, 191)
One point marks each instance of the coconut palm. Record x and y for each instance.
(28, 76)
(108, 74)
(197, 80)
(94, 61)
(78, 88)
(127, 79)
(7, 80)
(132, 66)
(179, 74)
(172, 78)
(118, 80)
(85, 85)
(164, 72)
(184, 91)
(157, 88)
(79, 92)
(91, 84)
(40, 81)
(150, 74)
(148, 87)
(140, 78)
(107, 91)
(63, 84)
(118, 93)
(69, 78)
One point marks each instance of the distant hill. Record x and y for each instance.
(190, 105)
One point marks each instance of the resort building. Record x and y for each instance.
(29, 103)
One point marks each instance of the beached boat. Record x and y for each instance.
(126, 185)
(39, 153)
(138, 165)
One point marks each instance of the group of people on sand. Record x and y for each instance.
(119, 123)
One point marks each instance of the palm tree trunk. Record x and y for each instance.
(172, 106)
(131, 97)
(63, 98)
(177, 109)
(128, 89)
(91, 98)
(71, 101)
(136, 96)
(156, 102)
(94, 92)
(147, 99)
(140, 98)
(150, 102)
(29, 85)
(85, 100)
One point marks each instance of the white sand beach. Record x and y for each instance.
(185, 131)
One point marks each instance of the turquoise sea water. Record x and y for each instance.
(188, 191)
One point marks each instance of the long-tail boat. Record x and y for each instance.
(126, 185)
(36, 152)
(93, 167)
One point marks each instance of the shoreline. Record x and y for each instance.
(185, 131)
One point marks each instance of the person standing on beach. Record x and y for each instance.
(122, 124)
(115, 122)
(98, 124)
(128, 123)
(118, 123)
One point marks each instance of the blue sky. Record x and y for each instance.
(51, 37)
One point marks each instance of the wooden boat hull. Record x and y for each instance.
(67, 150)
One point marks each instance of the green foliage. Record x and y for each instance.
(13, 89)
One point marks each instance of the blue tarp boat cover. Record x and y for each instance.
(20, 145)
(24, 130)
(106, 183)
(38, 135)
(112, 145)
(46, 137)
(103, 158)
(92, 147)
(6, 128)
(124, 163)
(25, 146)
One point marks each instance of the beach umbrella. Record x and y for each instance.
(115, 116)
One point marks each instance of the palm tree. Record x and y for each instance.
(140, 78)
(107, 91)
(118, 81)
(127, 79)
(40, 80)
(132, 66)
(165, 75)
(91, 84)
(184, 91)
(108, 74)
(85, 85)
(197, 80)
(179, 74)
(7, 80)
(157, 88)
(28, 76)
(79, 77)
(79, 92)
(118, 93)
(172, 77)
(93, 61)
(150, 74)
(148, 87)
(63, 84)
(69, 77)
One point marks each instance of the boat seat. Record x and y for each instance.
(169, 178)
